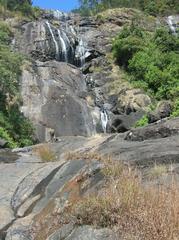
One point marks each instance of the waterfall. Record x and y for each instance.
(173, 23)
(53, 38)
(61, 16)
(80, 52)
(69, 47)
(72, 30)
(104, 120)
(63, 46)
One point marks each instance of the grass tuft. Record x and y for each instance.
(157, 171)
(45, 153)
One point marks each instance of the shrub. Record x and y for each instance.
(126, 44)
(5, 33)
(158, 73)
(175, 112)
(144, 121)
(16, 128)
(45, 153)
(4, 134)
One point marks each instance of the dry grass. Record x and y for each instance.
(126, 205)
(88, 156)
(45, 153)
(157, 171)
(136, 211)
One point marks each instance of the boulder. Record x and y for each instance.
(162, 129)
(133, 100)
(3, 143)
(122, 123)
(163, 110)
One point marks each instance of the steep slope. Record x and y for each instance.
(69, 92)
(86, 43)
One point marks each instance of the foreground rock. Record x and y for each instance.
(84, 233)
(34, 194)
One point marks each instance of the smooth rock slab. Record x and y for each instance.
(85, 233)
(34, 183)
(6, 216)
(20, 180)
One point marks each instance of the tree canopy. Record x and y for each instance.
(153, 7)
(24, 6)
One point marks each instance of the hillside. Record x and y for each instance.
(92, 103)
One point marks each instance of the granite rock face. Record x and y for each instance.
(51, 94)
(86, 43)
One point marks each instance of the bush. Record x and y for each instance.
(175, 112)
(15, 128)
(45, 153)
(5, 135)
(157, 72)
(144, 121)
(126, 44)
(5, 33)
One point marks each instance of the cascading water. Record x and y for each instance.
(104, 120)
(65, 41)
(63, 46)
(61, 16)
(173, 24)
(80, 53)
(54, 40)
(72, 30)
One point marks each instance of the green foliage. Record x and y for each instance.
(142, 122)
(5, 135)
(24, 6)
(175, 112)
(14, 127)
(126, 44)
(5, 33)
(153, 7)
(154, 65)
(36, 12)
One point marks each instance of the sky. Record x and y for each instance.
(63, 5)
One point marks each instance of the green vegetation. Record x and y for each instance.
(22, 9)
(151, 61)
(14, 127)
(175, 112)
(144, 121)
(23, 6)
(153, 7)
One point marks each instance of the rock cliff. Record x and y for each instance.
(68, 92)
